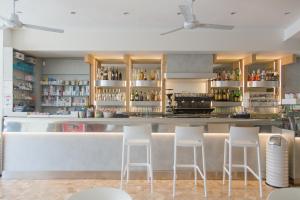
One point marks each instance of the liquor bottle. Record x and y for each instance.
(224, 95)
(132, 96)
(145, 75)
(152, 74)
(144, 96)
(136, 96)
(257, 76)
(105, 74)
(157, 75)
(117, 74)
(141, 97)
(120, 76)
(113, 74)
(263, 75)
(238, 74)
(228, 95)
(109, 74)
(141, 75)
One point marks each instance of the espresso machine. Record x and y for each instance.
(192, 104)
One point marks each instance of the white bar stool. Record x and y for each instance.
(190, 137)
(243, 137)
(137, 136)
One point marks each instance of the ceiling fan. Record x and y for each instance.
(14, 22)
(190, 21)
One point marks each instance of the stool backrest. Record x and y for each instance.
(189, 133)
(139, 132)
(249, 134)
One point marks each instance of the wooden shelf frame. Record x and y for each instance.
(128, 61)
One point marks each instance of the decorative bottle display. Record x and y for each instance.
(109, 73)
(110, 95)
(233, 75)
(140, 95)
(143, 74)
(264, 75)
(230, 95)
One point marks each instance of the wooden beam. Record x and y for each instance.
(88, 59)
(218, 60)
(289, 59)
(250, 59)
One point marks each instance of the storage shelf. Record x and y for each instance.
(110, 103)
(262, 84)
(110, 83)
(226, 104)
(290, 102)
(57, 95)
(145, 103)
(222, 84)
(144, 83)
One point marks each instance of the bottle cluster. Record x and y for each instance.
(109, 73)
(264, 75)
(227, 95)
(110, 95)
(233, 75)
(145, 95)
(143, 74)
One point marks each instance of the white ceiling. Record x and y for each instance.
(152, 14)
(100, 26)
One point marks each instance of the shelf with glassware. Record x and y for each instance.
(23, 82)
(110, 85)
(145, 87)
(262, 92)
(64, 93)
(226, 87)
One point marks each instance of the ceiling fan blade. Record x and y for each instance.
(215, 26)
(187, 12)
(172, 31)
(43, 28)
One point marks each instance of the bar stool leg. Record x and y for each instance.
(174, 171)
(204, 170)
(122, 166)
(151, 169)
(148, 163)
(230, 168)
(195, 170)
(245, 165)
(259, 170)
(128, 162)
(225, 161)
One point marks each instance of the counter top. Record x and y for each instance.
(140, 119)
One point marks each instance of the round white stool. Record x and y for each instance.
(285, 193)
(243, 137)
(190, 137)
(104, 193)
(137, 136)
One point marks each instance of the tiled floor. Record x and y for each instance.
(62, 189)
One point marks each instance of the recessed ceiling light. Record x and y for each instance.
(287, 13)
(73, 12)
(125, 13)
(179, 13)
(19, 12)
(233, 13)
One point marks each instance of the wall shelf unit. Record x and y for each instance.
(138, 74)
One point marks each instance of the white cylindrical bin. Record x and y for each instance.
(277, 162)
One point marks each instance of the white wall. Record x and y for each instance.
(292, 75)
(240, 40)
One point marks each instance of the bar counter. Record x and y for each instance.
(73, 147)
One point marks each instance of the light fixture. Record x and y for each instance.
(126, 13)
(19, 12)
(287, 13)
(73, 12)
(178, 13)
(232, 13)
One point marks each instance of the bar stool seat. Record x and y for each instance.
(243, 137)
(190, 137)
(137, 136)
(188, 143)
